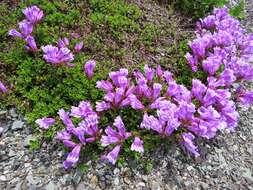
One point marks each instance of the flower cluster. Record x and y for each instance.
(56, 55)
(61, 54)
(222, 49)
(33, 16)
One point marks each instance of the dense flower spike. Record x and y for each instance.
(33, 14)
(57, 56)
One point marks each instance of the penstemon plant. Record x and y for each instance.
(222, 49)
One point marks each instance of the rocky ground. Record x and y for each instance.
(227, 161)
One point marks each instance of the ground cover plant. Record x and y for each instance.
(199, 8)
(126, 110)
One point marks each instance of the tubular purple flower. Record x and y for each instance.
(109, 97)
(168, 76)
(63, 135)
(198, 89)
(26, 28)
(72, 157)
(15, 33)
(66, 120)
(57, 56)
(193, 62)
(119, 92)
(31, 43)
(102, 106)
(187, 142)
(89, 68)
(212, 64)
(1, 130)
(63, 42)
(121, 127)
(78, 47)
(208, 22)
(150, 122)
(156, 90)
(104, 85)
(115, 137)
(159, 71)
(149, 72)
(243, 96)
(83, 110)
(45, 123)
(137, 145)
(135, 103)
(3, 88)
(69, 144)
(113, 155)
(33, 14)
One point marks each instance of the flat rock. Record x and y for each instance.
(17, 125)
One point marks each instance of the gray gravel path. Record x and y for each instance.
(227, 161)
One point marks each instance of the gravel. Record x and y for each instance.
(226, 161)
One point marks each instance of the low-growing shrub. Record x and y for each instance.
(135, 110)
(223, 51)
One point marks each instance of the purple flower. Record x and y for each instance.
(198, 89)
(31, 44)
(113, 155)
(137, 145)
(15, 33)
(3, 88)
(66, 120)
(1, 130)
(149, 73)
(25, 27)
(244, 97)
(63, 135)
(229, 115)
(208, 22)
(104, 85)
(168, 76)
(83, 110)
(72, 157)
(193, 62)
(156, 90)
(212, 64)
(187, 141)
(135, 103)
(57, 56)
(44, 123)
(102, 106)
(62, 43)
(166, 123)
(33, 14)
(115, 137)
(159, 71)
(89, 68)
(78, 46)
